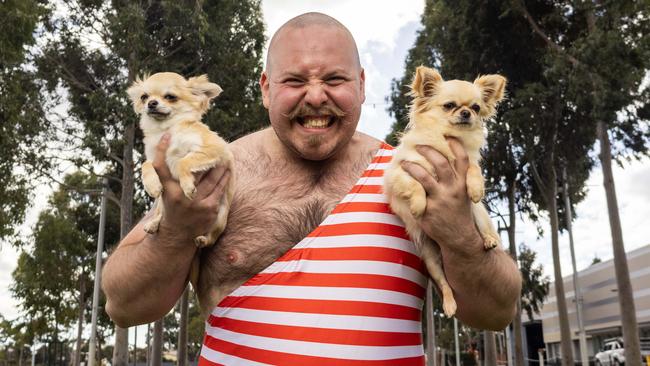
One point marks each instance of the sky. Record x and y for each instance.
(384, 32)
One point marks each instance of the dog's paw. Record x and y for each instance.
(490, 241)
(201, 241)
(448, 302)
(475, 192)
(153, 188)
(189, 190)
(417, 207)
(151, 226)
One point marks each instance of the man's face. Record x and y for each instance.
(313, 90)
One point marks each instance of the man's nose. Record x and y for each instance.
(316, 95)
(152, 103)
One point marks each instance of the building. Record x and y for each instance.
(601, 313)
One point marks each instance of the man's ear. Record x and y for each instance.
(264, 86)
(200, 85)
(135, 92)
(426, 82)
(492, 88)
(362, 82)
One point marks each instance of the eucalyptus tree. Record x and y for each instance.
(535, 286)
(24, 125)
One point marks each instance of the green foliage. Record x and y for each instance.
(46, 279)
(535, 285)
(223, 40)
(23, 123)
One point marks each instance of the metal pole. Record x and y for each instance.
(509, 346)
(148, 344)
(540, 354)
(456, 341)
(135, 345)
(431, 328)
(98, 272)
(576, 286)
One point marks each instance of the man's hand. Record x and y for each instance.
(486, 284)
(448, 217)
(194, 217)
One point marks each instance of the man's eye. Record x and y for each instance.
(170, 97)
(450, 105)
(293, 82)
(335, 80)
(476, 108)
(144, 97)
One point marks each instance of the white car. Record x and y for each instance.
(611, 354)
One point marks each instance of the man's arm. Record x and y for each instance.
(147, 273)
(486, 284)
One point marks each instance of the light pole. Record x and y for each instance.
(456, 341)
(431, 336)
(98, 272)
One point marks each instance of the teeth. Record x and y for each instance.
(316, 122)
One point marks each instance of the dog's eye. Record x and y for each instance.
(476, 108)
(450, 105)
(170, 97)
(144, 97)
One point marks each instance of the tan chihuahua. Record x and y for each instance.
(443, 108)
(167, 102)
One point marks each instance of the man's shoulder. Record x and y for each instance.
(247, 140)
(371, 144)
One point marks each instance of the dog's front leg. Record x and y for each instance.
(150, 180)
(152, 225)
(475, 182)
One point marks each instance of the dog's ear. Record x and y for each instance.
(492, 88)
(135, 92)
(200, 85)
(426, 82)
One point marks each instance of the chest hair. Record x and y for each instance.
(273, 209)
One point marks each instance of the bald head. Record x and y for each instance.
(306, 20)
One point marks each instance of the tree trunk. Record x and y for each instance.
(182, 331)
(156, 348)
(516, 323)
(80, 320)
(490, 348)
(99, 350)
(120, 352)
(565, 330)
(625, 296)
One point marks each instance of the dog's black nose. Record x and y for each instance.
(464, 113)
(152, 103)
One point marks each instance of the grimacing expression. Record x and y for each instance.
(313, 89)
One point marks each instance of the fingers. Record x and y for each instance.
(208, 181)
(462, 160)
(217, 192)
(420, 174)
(160, 165)
(442, 170)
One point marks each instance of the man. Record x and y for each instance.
(288, 178)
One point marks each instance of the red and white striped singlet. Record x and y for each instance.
(350, 293)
